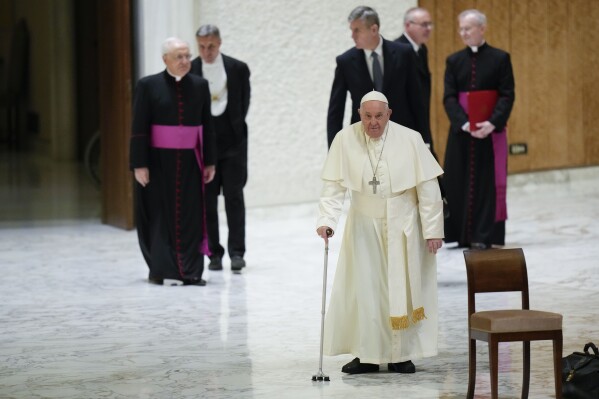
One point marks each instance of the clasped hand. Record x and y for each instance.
(484, 129)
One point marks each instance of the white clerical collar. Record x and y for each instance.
(415, 46)
(177, 78)
(378, 49)
(475, 48)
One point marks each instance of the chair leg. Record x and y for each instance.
(494, 365)
(557, 365)
(525, 369)
(471, 369)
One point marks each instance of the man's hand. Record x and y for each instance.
(434, 244)
(142, 175)
(466, 127)
(484, 129)
(325, 232)
(209, 172)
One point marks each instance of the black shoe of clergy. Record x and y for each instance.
(216, 263)
(355, 367)
(195, 281)
(237, 263)
(155, 280)
(406, 367)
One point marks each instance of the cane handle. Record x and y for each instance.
(329, 232)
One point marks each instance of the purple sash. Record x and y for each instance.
(500, 158)
(185, 137)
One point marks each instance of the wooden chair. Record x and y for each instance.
(504, 270)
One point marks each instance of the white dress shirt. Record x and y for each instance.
(379, 51)
(216, 76)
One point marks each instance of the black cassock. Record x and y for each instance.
(469, 178)
(169, 211)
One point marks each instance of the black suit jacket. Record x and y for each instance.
(400, 84)
(238, 87)
(424, 73)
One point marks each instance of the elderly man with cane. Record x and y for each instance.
(383, 306)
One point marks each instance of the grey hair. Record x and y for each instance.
(208, 30)
(171, 43)
(479, 16)
(407, 17)
(366, 14)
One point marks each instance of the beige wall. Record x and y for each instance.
(290, 48)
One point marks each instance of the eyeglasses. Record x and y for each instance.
(181, 57)
(425, 25)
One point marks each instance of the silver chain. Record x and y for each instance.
(374, 170)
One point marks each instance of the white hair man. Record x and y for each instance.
(172, 155)
(475, 177)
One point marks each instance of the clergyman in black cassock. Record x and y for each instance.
(476, 159)
(172, 158)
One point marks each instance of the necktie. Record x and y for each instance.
(377, 74)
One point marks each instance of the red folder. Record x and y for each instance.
(479, 106)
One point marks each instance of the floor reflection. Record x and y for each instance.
(78, 319)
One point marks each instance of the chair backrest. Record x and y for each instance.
(496, 270)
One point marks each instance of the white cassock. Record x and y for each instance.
(383, 306)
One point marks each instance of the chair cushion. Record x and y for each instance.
(515, 320)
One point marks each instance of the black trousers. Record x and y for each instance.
(229, 180)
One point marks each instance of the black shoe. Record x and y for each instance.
(406, 367)
(155, 280)
(355, 367)
(195, 281)
(216, 263)
(479, 245)
(237, 263)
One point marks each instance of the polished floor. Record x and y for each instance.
(78, 319)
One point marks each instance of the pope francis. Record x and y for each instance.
(383, 306)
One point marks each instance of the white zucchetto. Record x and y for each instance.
(374, 96)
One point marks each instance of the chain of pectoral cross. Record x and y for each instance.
(374, 182)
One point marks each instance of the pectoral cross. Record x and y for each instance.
(374, 182)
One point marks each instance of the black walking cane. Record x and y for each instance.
(320, 376)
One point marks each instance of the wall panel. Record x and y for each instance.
(554, 47)
(540, 89)
(556, 153)
(589, 18)
(519, 131)
(114, 52)
(577, 45)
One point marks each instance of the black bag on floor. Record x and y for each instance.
(580, 374)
